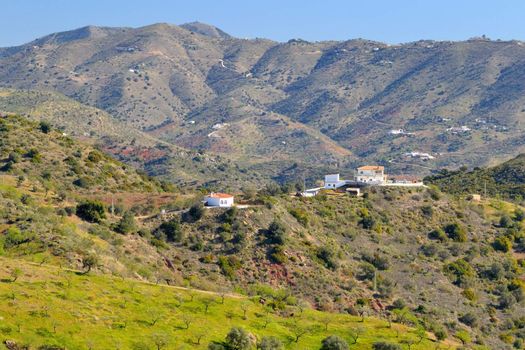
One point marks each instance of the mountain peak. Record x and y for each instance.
(206, 29)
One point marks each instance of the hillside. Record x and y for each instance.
(417, 257)
(267, 105)
(505, 180)
(65, 269)
(136, 148)
(66, 309)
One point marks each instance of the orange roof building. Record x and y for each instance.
(371, 174)
(215, 199)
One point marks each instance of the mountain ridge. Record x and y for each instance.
(179, 82)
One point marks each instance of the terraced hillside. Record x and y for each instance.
(267, 105)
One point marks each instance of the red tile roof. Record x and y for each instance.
(371, 167)
(220, 195)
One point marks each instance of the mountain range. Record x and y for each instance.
(286, 109)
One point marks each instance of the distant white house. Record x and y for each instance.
(396, 132)
(371, 174)
(459, 129)
(421, 155)
(219, 200)
(333, 181)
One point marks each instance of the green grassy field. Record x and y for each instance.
(47, 305)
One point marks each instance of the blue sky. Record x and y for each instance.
(391, 21)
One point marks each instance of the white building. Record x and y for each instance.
(311, 192)
(219, 200)
(459, 129)
(371, 174)
(421, 155)
(333, 181)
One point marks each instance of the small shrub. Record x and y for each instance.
(469, 319)
(438, 234)
(455, 232)
(460, 271)
(385, 346)
(502, 244)
(300, 215)
(91, 211)
(228, 265)
(328, 257)
(270, 343)
(172, 230)
(194, 214)
(238, 339)
(276, 233)
(334, 342)
(45, 127)
(126, 224)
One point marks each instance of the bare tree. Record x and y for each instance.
(187, 320)
(355, 333)
(207, 302)
(199, 335)
(298, 331)
(362, 310)
(326, 321)
(156, 316)
(161, 340)
(15, 273)
(245, 307)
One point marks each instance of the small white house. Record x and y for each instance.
(311, 192)
(333, 181)
(219, 200)
(371, 174)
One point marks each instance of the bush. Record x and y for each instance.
(502, 244)
(91, 211)
(368, 222)
(276, 233)
(229, 265)
(334, 342)
(45, 127)
(379, 262)
(277, 255)
(194, 214)
(238, 339)
(455, 232)
(385, 346)
(505, 221)
(94, 156)
(438, 234)
(469, 319)
(328, 257)
(82, 182)
(460, 271)
(270, 343)
(172, 230)
(14, 237)
(427, 211)
(126, 224)
(300, 215)
(230, 215)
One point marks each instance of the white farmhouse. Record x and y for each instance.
(219, 200)
(333, 181)
(371, 174)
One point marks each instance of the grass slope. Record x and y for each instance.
(47, 305)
